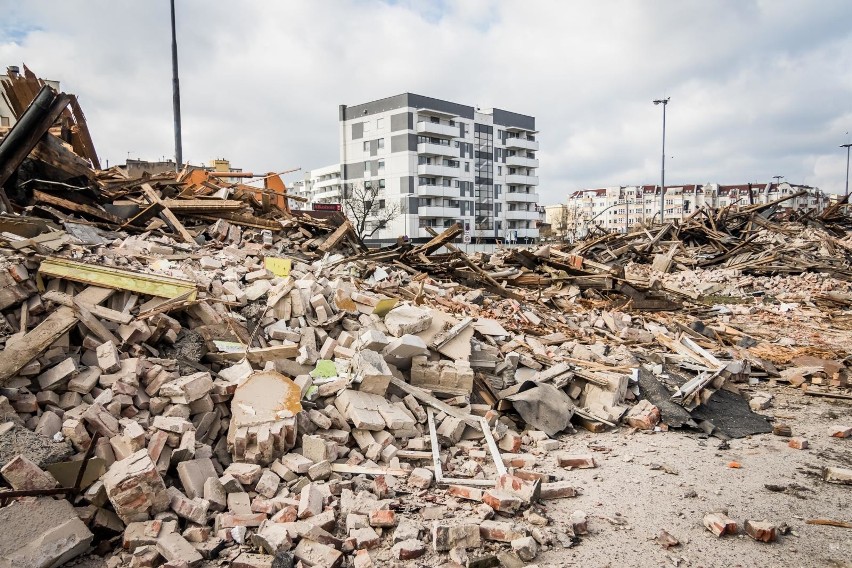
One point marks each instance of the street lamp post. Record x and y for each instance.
(176, 95)
(663, 102)
(847, 146)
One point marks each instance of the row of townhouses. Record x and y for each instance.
(618, 209)
(437, 163)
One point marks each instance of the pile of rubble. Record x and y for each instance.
(191, 371)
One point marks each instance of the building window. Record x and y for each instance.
(381, 143)
(367, 167)
(456, 143)
(435, 120)
(467, 166)
(381, 165)
(366, 145)
(381, 184)
(368, 184)
(452, 123)
(499, 170)
(380, 123)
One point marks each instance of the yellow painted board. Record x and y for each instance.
(384, 306)
(278, 266)
(117, 278)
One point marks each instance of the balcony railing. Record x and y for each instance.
(436, 170)
(522, 143)
(430, 149)
(438, 191)
(518, 179)
(436, 129)
(521, 215)
(522, 233)
(521, 161)
(520, 197)
(438, 211)
(327, 183)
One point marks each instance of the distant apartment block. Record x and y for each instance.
(7, 118)
(619, 209)
(440, 162)
(322, 185)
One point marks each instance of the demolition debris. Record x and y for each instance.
(206, 374)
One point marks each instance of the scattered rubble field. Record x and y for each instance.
(193, 374)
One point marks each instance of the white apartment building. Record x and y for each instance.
(440, 162)
(322, 185)
(619, 209)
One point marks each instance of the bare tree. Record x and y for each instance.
(366, 205)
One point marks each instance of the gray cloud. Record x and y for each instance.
(759, 88)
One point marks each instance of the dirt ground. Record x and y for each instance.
(647, 482)
(629, 497)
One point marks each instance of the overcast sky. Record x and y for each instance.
(758, 87)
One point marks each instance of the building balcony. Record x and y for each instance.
(327, 183)
(520, 197)
(438, 211)
(439, 130)
(522, 233)
(437, 150)
(328, 194)
(522, 143)
(438, 191)
(521, 215)
(421, 232)
(521, 161)
(436, 170)
(518, 179)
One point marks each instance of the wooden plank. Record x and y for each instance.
(365, 470)
(117, 278)
(436, 447)
(203, 204)
(239, 219)
(43, 197)
(492, 447)
(53, 152)
(94, 325)
(333, 239)
(167, 215)
(426, 398)
(102, 312)
(18, 354)
(259, 355)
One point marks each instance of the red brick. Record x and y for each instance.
(577, 461)
(762, 531)
(527, 491)
(408, 549)
(720, 524)
(498, 531)
(383, 518)
(464, 492)
(841, 431)
(558, 490)
(502, 501)
(798, 443)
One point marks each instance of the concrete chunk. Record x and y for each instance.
(44, 532)
(404, 320)
(135, 488)
(177, 550)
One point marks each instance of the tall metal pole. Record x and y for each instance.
(663, 102)
(176, 95)
(847, 146)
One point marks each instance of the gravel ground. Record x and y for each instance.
(629, 501)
